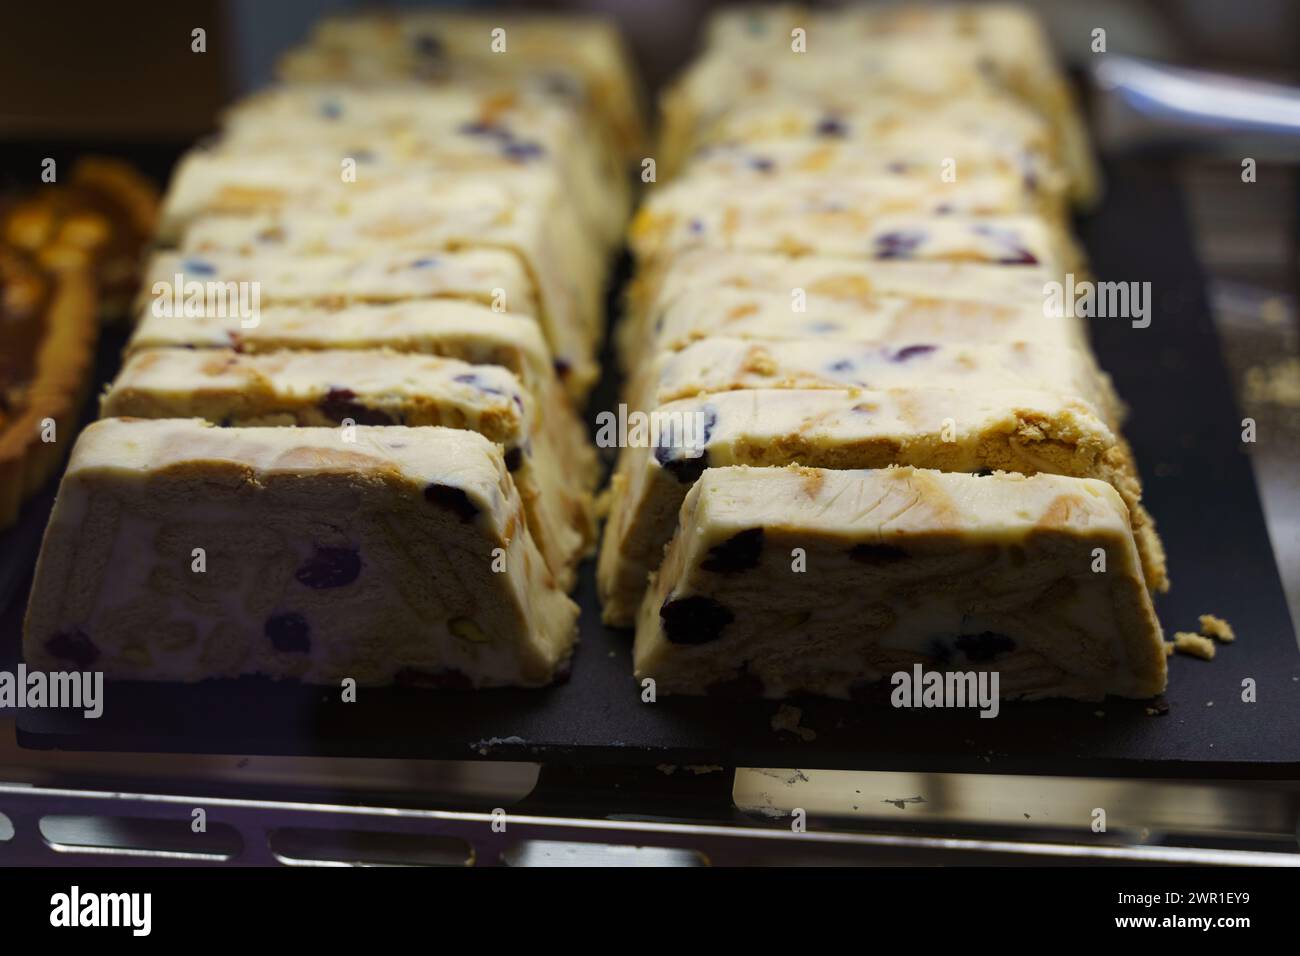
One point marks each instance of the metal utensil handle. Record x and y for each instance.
(1199, 98)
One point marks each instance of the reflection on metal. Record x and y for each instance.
(255, 820)
(1243, 810)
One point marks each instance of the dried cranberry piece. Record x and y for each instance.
(694, 620)
(330, 568)
(740, 552)
(288, 632)
(453, 499)
(73, 646)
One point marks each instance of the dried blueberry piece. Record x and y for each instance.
(514, 458)
(73, 646)
(428, 46)
(1019, 257)
(831, 126)
(761, 164)
(471, 378)
(843, 365)
(984, 646)
(453, 499)
(686, 469)
(288, 632)
(425, 263)
(198, 267)
(824, 328)
(897, 168)
(331, 109)
(694, 620)
(330, 568)
(696, 226)
(912, 351)
(434, 680)
(523, 150)
(877, 554)
(341, 403)
(562, 367)
(480, 128)
(740, 552)
(898, 245)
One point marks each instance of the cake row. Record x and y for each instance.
(873, 443)
(343, 442)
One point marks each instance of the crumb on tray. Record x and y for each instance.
(1217, 628)
(1194, 644)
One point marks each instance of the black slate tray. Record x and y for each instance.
(1186, 431)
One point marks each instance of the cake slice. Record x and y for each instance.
(990, 429)
(400, 556)
(923, 157)
(487, 120)
(665, 228)
(440, 46)
(376, 388)
(896, 568)
(1005, 42)
(721, 364)
(862, 280)
(866, 114)
(768, 317)
(473, 275)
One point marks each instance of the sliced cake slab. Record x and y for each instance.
(178, 551)
(802, 580)
(375, 388)
(1016, 430)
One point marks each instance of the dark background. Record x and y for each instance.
(86, 68)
